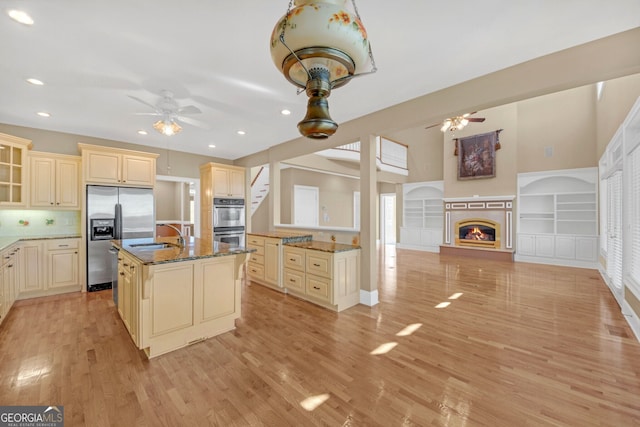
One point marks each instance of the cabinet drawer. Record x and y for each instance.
(255, 240)
(319, 263)
(294, 258)
(318, 287)
(255, 270)
(256, 258)
(259, 249)
(294, 280)
(62, 244)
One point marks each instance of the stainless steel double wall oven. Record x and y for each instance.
(229, 221)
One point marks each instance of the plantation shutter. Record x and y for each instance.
(633, 202)
(614, 229)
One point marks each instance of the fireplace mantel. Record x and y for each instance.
(479, 199)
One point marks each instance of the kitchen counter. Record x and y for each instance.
(324, 246)
(7, 241)
(286, 237)
(193, 249)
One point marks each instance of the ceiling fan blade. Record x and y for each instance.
(193, 122)
(476, 119)
(147, 114)
(432, 126)
(153, 107)
(189, 109)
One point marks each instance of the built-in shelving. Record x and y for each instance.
(558, 217)
(423, 216)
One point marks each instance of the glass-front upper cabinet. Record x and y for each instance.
(13, 169)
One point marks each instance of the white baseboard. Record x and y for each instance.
(632, 319)
(434, 249)
(369, 298)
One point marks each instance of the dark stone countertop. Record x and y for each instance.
(324, 246)
(194, 249)
(286, 237)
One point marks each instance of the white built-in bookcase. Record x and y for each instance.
(423, 216)
(558, 217)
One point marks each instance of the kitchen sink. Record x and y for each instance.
(154, 245)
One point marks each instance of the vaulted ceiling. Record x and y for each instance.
(95, 56)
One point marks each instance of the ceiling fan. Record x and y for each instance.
(170, 114)
(458, 122)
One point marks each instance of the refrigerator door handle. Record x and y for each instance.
(118, 221)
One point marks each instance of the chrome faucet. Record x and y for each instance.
(181, 240)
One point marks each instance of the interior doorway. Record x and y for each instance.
(305, 205)
(388, 218)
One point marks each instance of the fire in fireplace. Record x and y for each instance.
(478, 232)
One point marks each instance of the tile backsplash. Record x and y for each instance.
(38, 223)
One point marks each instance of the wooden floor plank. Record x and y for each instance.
(518, 345)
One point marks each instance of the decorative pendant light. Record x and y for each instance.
(319, 46)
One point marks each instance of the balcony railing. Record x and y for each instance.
(390, 155)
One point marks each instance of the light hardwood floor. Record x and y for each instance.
(522, 345)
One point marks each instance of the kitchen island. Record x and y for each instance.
(172, 295)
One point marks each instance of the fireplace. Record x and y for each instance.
(479, 226)
(477, 232)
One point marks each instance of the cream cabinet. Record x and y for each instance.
(182, 303)
(265, 263)
(31, 279)
(129, 270)
(54, 181)
(217, 180)
(329, 279)
(63, 264)
(13, 170)
(49, 267)
(255, 267)
(104, 165)
(9, 277)
(228, 181)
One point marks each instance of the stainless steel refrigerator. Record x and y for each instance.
(114, 213)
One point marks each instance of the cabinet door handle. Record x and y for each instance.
(316, 288)
(75, 252)
(63, 246)
(122, 273)
(291, 259)
(125, 264)
(316, 265)
(50, 203)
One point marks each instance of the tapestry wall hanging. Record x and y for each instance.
(477, 155)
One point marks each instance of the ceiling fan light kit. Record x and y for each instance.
(167, 127)
(170, 113)
(457, 123)
(319, 46)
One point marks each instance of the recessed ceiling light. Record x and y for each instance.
(285, 112)
(212, 146)
(35, 82)
(241, 132)
(20, 16)
(43, 114)
(142, 132)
